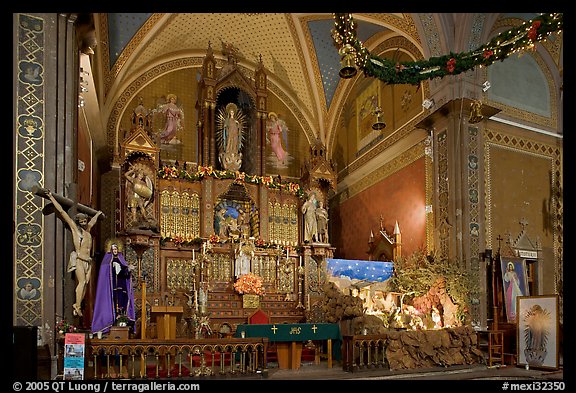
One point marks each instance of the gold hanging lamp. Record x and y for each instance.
(379, 124)
(348, 69)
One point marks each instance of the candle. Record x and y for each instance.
(204, 248)
(193, 255)
(286, 252)
(308, 302)
(196, 299)
(300, 260)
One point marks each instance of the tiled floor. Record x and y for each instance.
(468, 372)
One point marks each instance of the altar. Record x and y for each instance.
(289, 337)
(207, 219)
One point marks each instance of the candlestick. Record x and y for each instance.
(286, 252)
(196, 299)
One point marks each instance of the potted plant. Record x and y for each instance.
(122, 320)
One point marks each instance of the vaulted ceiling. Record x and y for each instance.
(296, 49)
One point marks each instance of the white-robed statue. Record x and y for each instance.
(310, 219)
(244, 257)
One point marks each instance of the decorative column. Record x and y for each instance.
(140, 241)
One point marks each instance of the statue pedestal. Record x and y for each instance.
(119, 332)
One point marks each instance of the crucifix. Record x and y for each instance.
(80, 221)
(66, 203)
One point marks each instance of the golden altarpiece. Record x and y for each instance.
(194, 228)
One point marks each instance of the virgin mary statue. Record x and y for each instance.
(114, 295)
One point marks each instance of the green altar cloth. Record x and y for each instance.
(295, 332)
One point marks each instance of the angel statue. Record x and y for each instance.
(139, 192)
(230, 136)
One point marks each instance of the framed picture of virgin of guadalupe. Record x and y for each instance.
(514, 284)
(538, 331)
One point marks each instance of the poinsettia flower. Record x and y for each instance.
(451, 65)
(294, 187)
(533, 32)
(400, 67)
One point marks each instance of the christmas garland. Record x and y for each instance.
(175, 172)
(499, 48)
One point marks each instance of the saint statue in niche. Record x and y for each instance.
(139, 193)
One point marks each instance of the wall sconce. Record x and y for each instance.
(379, 123)
(487, 255)
(475, 112)
(485, 86)
(348, 69)
(428, 103)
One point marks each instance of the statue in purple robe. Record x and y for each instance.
(114, 295)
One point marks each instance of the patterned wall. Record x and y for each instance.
(182, 83)
(443, 195)
(521, 166)
(29, 169)
(473, 202)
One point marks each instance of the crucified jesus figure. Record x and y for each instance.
(81, 258)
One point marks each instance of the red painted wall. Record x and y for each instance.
(400, 197)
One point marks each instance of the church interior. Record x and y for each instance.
(206, 194)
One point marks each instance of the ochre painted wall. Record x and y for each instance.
(399, 197)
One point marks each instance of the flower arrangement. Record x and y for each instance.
(178, 240)
(249, 284)
(63, 327)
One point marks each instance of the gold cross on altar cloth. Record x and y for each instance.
(274, 328)
(314, 327)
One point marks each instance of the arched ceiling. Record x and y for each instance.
(297, 50)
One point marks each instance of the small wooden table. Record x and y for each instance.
(166, 319)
